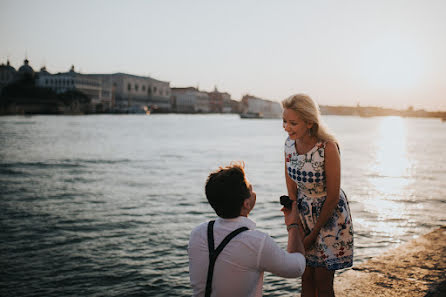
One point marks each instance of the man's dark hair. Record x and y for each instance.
(226, 189)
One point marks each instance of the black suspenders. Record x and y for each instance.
(213, 254)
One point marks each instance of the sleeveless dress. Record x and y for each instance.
(333, 247)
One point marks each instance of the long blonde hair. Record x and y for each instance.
(308, 110)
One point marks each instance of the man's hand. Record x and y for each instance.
(290, 215)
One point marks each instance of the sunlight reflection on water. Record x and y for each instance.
(389, 176)
(391, 148)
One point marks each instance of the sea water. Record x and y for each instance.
(103, 205)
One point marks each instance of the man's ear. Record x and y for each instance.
(246, 204)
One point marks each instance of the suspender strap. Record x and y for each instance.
(213, 254)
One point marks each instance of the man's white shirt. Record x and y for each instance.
(239, 267)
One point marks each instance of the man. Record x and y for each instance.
(238, 268)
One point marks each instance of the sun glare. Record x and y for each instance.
(391, 162)
(389, 176)
(392, 64)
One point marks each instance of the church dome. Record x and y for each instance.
(44, 71)
(26, 69)
(7, 67)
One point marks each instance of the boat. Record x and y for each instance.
(147, 110)
(251, 115)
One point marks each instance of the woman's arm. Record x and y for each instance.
(292, 193)
(290, 185)
(333, 182)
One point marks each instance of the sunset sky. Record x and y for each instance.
(389, 53)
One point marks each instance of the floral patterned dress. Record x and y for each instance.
(333, 247)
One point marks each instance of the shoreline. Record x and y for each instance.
(26, 114)
(415, 268)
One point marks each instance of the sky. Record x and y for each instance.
(388, 53)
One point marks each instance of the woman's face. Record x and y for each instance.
(294, 125)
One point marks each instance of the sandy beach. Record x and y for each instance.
(416, 268)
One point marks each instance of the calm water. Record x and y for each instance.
(103, 205)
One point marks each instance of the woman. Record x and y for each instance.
(313, 176)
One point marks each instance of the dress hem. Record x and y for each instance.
(331, 267)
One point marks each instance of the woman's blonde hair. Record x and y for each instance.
(308, 110)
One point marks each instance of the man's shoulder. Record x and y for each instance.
(200, 228)
(257, 233)
(198, 235)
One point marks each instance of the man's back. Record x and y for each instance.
(239, 267)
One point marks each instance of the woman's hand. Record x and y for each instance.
(309, 240)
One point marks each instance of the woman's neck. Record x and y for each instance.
(307, 140)
(305, 143)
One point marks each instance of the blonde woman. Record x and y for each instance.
(313, 176)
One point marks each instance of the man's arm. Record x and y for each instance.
(295, 233)
(276, 260)
(295, 244)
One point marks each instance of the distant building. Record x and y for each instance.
(107, 102)
(235, 106)
(183, 100)
(219, 101)
(134, 93)
(71, 80)
(227, 106)
(119, 91)
(251, 105)
(25, 71)
(189, 100)
(25, 96)
(203, 102)
(7, 75)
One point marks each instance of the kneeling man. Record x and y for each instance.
(228, 256)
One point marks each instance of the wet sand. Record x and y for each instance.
(416, 268)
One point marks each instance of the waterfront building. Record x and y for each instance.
(134, 93)
(25, 97)
(251, 105)
(183, 100)
(235, 106)
(26, 72)
(7, 75)
(203, 102)
(189, 100)
(217, 101)
(119, 91)
(71, 80)
(107, 102)
(228, 105)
